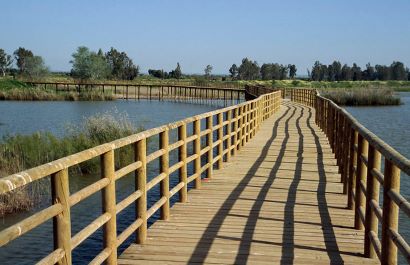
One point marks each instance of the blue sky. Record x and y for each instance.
(157, 34)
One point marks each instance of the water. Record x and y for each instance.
(29, 117)
(392, 125)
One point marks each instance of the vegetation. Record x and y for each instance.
(174, 74)
(5, 62)
(362, 97)
(20, 152)
(337, 72)
(16, 90)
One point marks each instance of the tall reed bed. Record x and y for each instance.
(20, 152)
(362, 96)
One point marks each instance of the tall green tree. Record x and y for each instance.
(178, 72)
(357, 72)
(233, 71)
(398, 71)
(208, 71)
(292, 71)
(248, 70)
(21, 56)
(346, 73)
(5, 61)
(89, 65)
(121, 66)
(35, 67)
(316, 70)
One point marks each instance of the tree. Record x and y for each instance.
(121, 66)
(248, 70)
(88, 64)
(337, 70)
(346, 73)
(316, 69)
(398, 71)
(292, 71)
(177, 73)
(35, 67)
(233, 71)
(369, 73)
(357, 72)
(21, 56)
(208, 71)
(5, 61)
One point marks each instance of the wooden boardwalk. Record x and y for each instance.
(278, 201)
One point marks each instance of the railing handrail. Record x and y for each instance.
(241, 122)
(358, 153)
(130, 84)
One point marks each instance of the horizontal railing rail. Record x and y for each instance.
(233, 127)
(359, 155)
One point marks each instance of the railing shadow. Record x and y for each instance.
(288, 237)
(215, 225)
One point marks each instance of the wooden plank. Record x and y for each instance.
(244, 215)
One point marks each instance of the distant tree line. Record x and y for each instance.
(250, 70)
(337, 72)
(176, 73)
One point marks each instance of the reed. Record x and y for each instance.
(20, 152)
(362, 96)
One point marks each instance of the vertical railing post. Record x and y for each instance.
(197, 151)
(235, 129)
(361, 172)
(372, 193)
(352, 171)
(141, 183)
(347, 144)
(390, 213)
(229, 133)
(164, 168)
(109, 205)
(210, 144)
(240, 128)
(221, 143)
(62, 222)
(182, 153)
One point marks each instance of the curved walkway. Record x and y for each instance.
(278, 201)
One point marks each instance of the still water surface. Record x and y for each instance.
(392, 124)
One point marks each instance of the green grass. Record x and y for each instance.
(20, 152)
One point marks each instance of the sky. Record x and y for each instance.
(157, 34)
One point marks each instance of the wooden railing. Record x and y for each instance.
(232, 127)
(137, 91)
(359, 156)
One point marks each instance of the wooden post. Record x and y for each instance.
(209, 142)
(141, 183)
(390, 213)
(183, 192)
(221, 143)
(229, 132)
(164, 168)
(360, 178)
(109, 205)
(372, 193)
(241, 115)
(352, 173)
(62, 222)
(197, 151)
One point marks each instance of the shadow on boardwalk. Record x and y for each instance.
(288, 242)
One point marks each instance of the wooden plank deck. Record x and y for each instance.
(279, 201)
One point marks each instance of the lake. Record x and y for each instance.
(392, 124)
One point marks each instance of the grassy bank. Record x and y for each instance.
(20, 152)
(16, 90)
(362, 96)
(217, 81)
